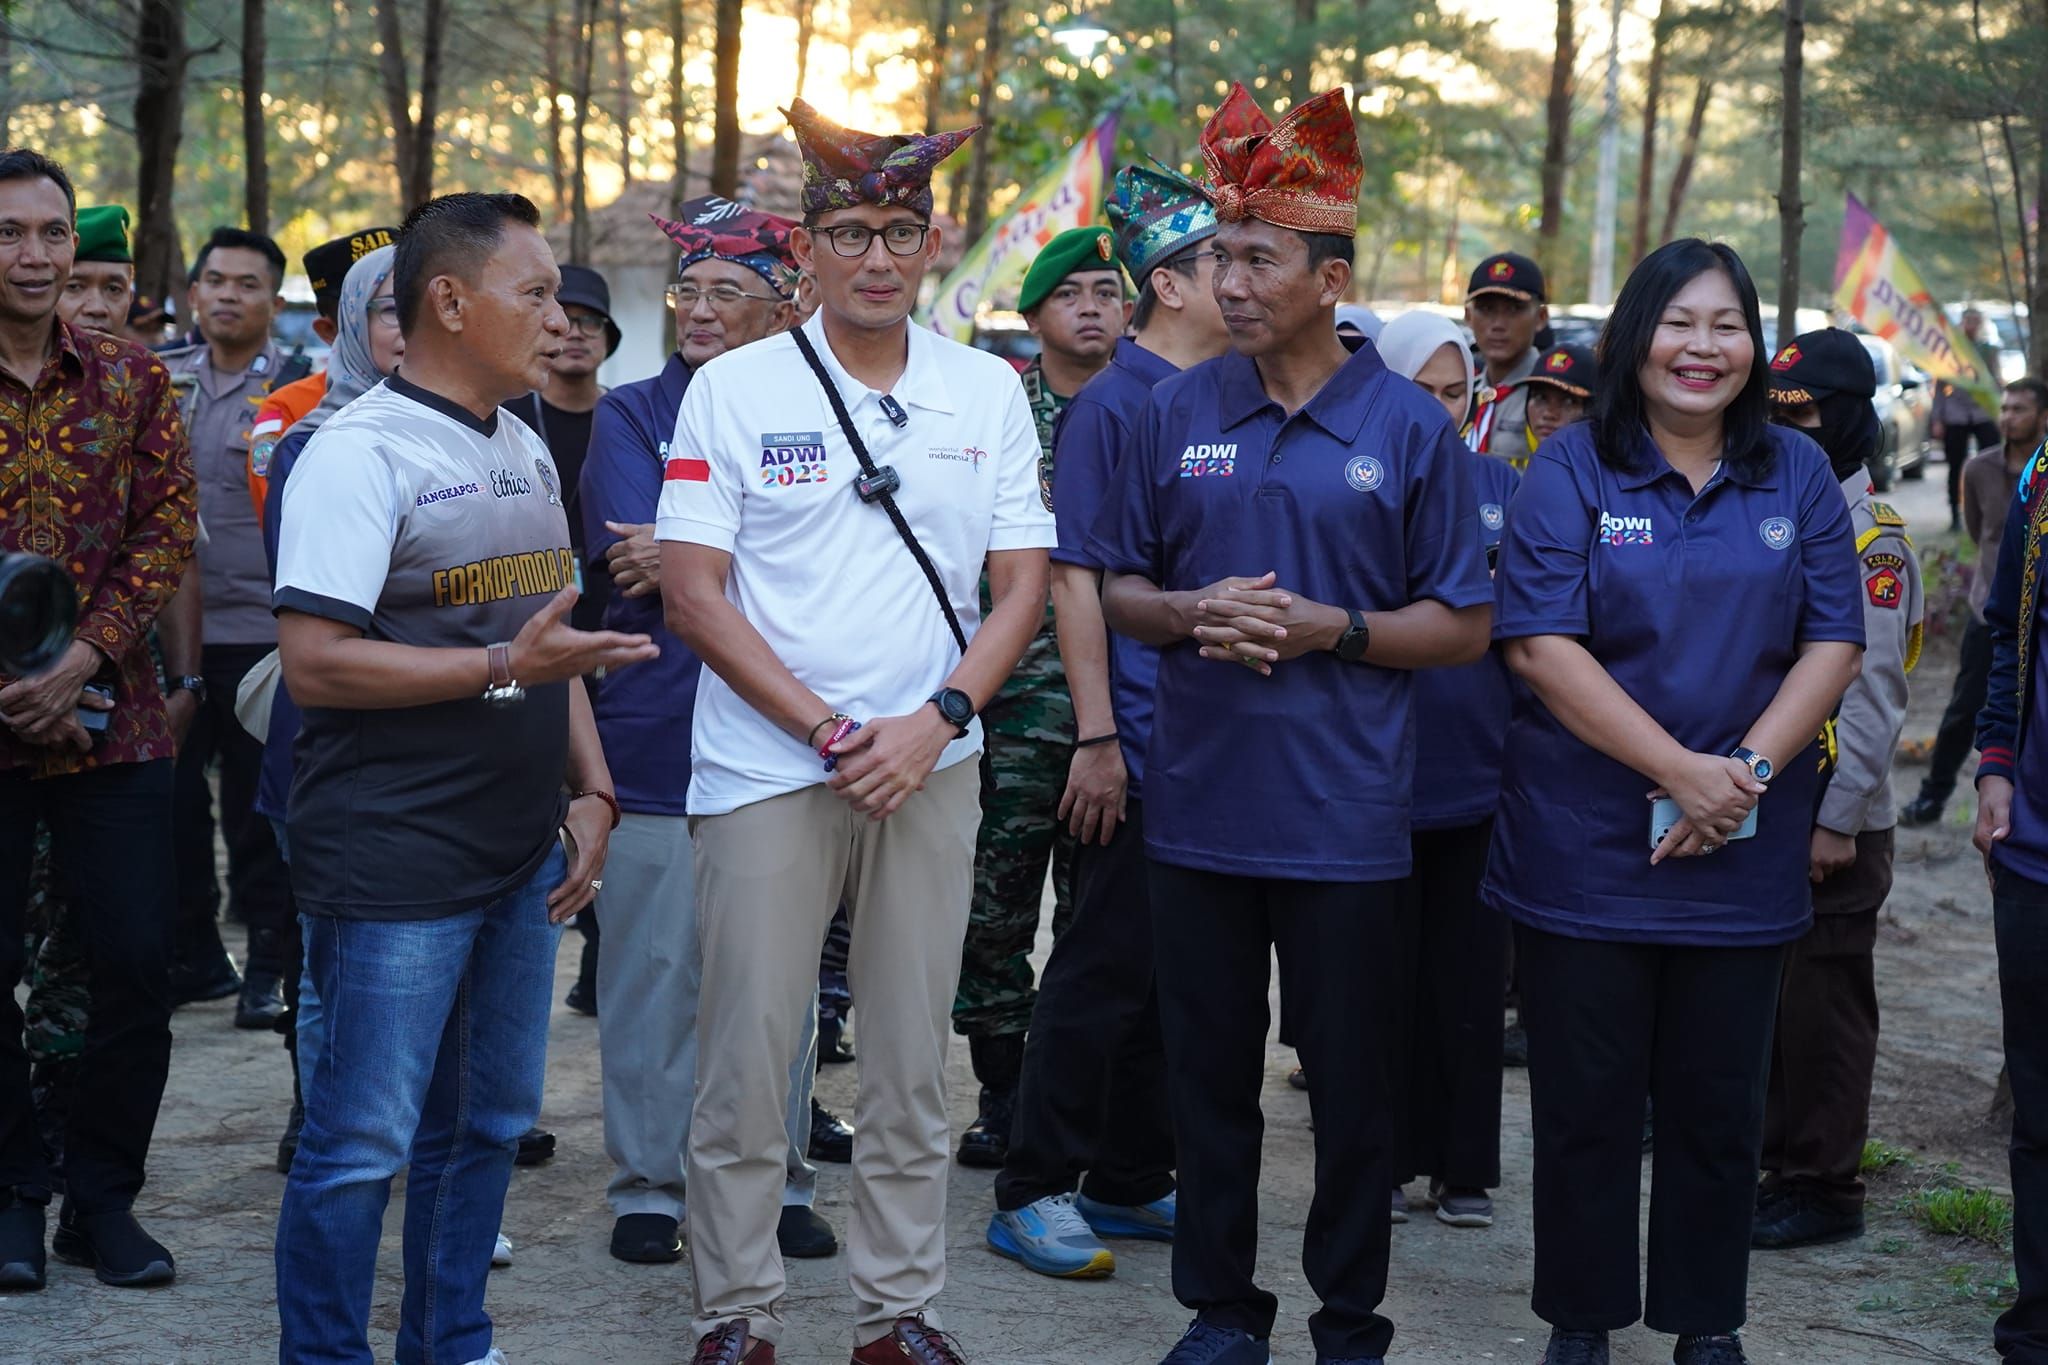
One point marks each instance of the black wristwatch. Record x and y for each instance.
(1352, 644)
(193, 683)
(956, 706)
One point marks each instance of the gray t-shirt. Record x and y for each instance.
(412, 520)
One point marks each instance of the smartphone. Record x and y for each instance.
(1664, 813)
(93, 722)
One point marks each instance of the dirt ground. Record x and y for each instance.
(1898, 1295)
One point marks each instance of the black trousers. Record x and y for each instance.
(1444, 1043)
(1609, 1025)
(1214, 935)
(1958, 733)
(111, 836)
(259, 892)
(2019, 908)
(1955, 449)
(1092, 1094)
(1824, 1049)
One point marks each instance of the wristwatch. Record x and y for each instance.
(956, 706)
(504, 689)
(1352, 644)
(1760, 767)
(193, 683)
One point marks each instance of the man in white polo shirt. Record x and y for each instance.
(834, 744)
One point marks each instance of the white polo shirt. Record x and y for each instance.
(759, 468)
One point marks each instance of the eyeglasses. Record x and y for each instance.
(586, 324)
(384, 310)
(688, 296)
(854, 239)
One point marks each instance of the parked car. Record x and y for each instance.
(1905, 407)
(1006, 334)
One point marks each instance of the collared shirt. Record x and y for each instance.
(1697, 606)
(643, 712)
(1873, 710)
(1093, 435)
(220, 412)
(1501, 426)
(1033, 702)
(1461, 714)
(1988, 489)
(95, 473)
(1360, 500)
(413, 521)
(759, 468)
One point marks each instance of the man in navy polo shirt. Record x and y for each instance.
(1093, 1091)
(1327, 509)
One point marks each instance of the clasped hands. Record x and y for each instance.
(1255, 623)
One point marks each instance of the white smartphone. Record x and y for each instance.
(1664, 813)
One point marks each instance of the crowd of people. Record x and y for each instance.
(1262, 630)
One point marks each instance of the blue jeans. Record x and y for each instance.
(429, 1053)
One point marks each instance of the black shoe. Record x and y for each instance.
(288, 1145)
(987, 1140)
(1514, 1045)
(802, 1235)
(1575, 1348)
(831, 1136)
(22, 1262)
(535, 1146)
(582, 998)
(262, 1003)
(835, 1044)
(116, 1248)
(1921, 810)
(647, 1239)
(1298, 1078)
(1798, 1219)
(214, 978)
(1719, 1349)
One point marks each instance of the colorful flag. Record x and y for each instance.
(1878, 286)
(1070, 195)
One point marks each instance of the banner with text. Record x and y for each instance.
(1878, 286)
(1070, 195)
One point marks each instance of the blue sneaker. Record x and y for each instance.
(1052, 1238)
(1151, 1222)
(1207, 1344)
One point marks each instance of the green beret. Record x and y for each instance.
(103, 234)
(1076, 249)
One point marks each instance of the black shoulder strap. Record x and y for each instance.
(886, 500)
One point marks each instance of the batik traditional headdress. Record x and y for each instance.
(844, 168)
(1301, 173)
(714, 228)
(1156, 213)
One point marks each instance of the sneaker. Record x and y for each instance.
(1462, 1208)
(1575, 1348)
(911, 1342)
(494, 1357)
(831, 1136)
(1797, 1219)
(730, 1344)
(1921, 810)
(1151, 1222)
(115, 1246)
(1719, 1349)
(501, 1252)
(1397, 1206)
(1204, 1343)
(1051, 1237)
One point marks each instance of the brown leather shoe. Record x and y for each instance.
(911, 1342)
(730, 1344)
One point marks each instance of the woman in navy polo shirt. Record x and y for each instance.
(1677, 587)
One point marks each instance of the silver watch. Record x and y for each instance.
(504, 689)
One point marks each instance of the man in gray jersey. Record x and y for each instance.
(451, 806)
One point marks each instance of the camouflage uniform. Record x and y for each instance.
(53, 1031)
(1029, 730)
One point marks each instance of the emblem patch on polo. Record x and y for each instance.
(1364, 473)
(1492, 516)
(1777, 532)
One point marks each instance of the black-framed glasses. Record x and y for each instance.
(688, 296)
(384, 310)
(586, 324)
(854, 239)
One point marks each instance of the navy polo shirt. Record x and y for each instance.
(1696, 606)
(1359, 500)
(1461, 714)
(1090, 441)
(643, 713)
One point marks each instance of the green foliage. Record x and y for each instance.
(1963, 1211)
(1879, 1155)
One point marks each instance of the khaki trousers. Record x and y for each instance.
(769, 877)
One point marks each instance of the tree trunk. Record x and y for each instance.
(1646, 167)
(422, 188)
(412, 136)
(1688, 153)
(1791, 209)
(1301, 78)
(978, 173)
(942, 51)
(806, 25)
(583, 29)
(622, 72)
(160, 60)
(1557, 142)
(678, 104)
(2037, 269)
(558, 169)
(6, 86)
(255, 154)
(725, 126)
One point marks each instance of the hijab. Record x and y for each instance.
(351, 372)
(1410, 340)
